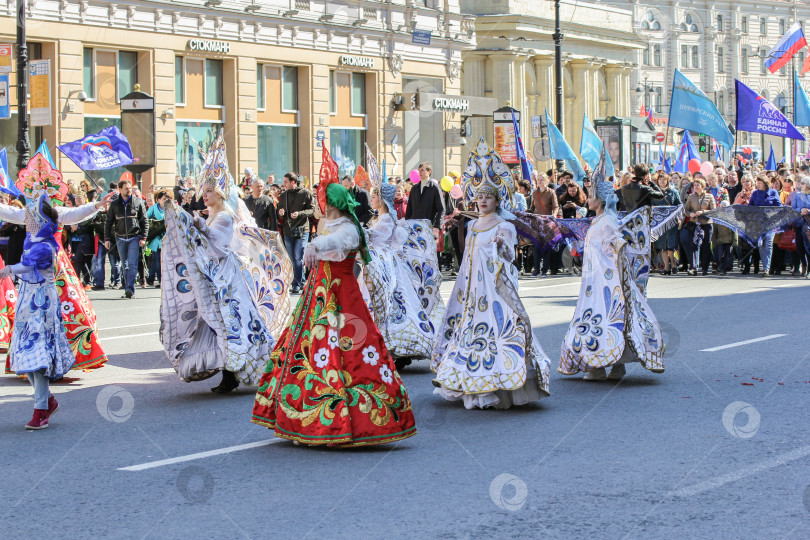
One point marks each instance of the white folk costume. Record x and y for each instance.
(220, 295)
(403, 279)
(613, 323)
(486, 353)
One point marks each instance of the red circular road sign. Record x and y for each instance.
(659, 137)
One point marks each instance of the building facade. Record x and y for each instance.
(513, 61)
(279, 78)
(713, 43)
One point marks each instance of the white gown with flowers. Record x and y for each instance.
(403, 281)
(209, 319)
(486, 353)
(613, 322)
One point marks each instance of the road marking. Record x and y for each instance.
(130, 336)
(772, 463)
(577, 283)
(127, 326)
(740, 343)
(198, 455)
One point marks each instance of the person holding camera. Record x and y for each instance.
(295, 209)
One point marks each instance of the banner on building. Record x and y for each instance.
(39, 84)
(5, 57)
(5, 109)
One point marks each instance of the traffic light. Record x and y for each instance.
(702, 145)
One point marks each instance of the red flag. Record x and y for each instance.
(806, 65)
(329, 175)
(643, 111)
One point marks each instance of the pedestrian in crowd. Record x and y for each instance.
(127, 224)
(400, 201)
(103, 253)
(271, 179)
(544, 202)
(295, 208)
(154, 239)
(639, 191)
(696, 234)
(363, 210)
(801, 203)
(274, 192)
(765, 195)
(82, 243)
(733, 186)
(425, 199)
(522, 195)
(572, 202)
(261, 207)
(668, 242)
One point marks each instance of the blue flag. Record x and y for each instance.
(692, 109)
(590, 148)
(561, 150)
(667, 166)
(770, 165)
(660, 157)
(717, 155)
(687, 153)
(525, 166)
(43, 149)
(758, 115)
(107, 149)
(6, 184)
(801, 105)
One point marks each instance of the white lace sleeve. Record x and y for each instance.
(507, 231)
(220, 234)
(12, 214)
(336, 243)
(71, 216)
(382, 230)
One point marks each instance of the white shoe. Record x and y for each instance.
(617, 372)
(596, 375)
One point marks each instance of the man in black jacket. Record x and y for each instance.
(127, 224)
(261, 206)
(295, 208)
(425, 199)
(640, 192)
(363, 211)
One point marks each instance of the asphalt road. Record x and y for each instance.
(716, 447)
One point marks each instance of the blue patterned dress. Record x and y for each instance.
(39, 341)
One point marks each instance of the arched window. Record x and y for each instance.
(650, 22)
(721, 102)
(781, 102)
(688, 25)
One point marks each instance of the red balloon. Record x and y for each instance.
(694, 165)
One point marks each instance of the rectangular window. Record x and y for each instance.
(744, 25)
(721, 66)
(89, 73)
(695, 57)
(685, 56)
(358, 93)
(332, 90)
(645, 56)
(781, 27)
(127, 72)
(278, 150)
(763, 25)
(657, 54)
(744, 60)
(213, 83)
(179, 80)
(260, 91)
(659, 91)
(763, 54)
(801, 58)
(719, 23)
(721, 103)
(289, 88)
(347, 148)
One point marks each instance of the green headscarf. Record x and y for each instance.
(342, 199)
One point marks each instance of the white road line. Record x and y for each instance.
(127, 326)
(198, 455)
(772, 463)
(130, 336)
(740, 343)
(577, 283)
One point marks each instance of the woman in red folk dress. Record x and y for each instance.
(330, 379)
(8, 302)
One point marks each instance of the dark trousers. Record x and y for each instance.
(697, 256)
(802, 250)
(725, 260)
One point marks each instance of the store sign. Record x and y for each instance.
(357, 61)
(449, 103)
(5, 58)
(5, 110)
(39, 81)
(209, 46)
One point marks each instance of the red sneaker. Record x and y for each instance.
(39, 421)
(53, 406)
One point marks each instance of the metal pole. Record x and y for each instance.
(23, 148)
(558, 82)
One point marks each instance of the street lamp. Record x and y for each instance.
(558, 82)
(23, 147)
(646, 89)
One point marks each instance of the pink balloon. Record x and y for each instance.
(414, 176)
(706, 168)
(694, 165)
(455, 192)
